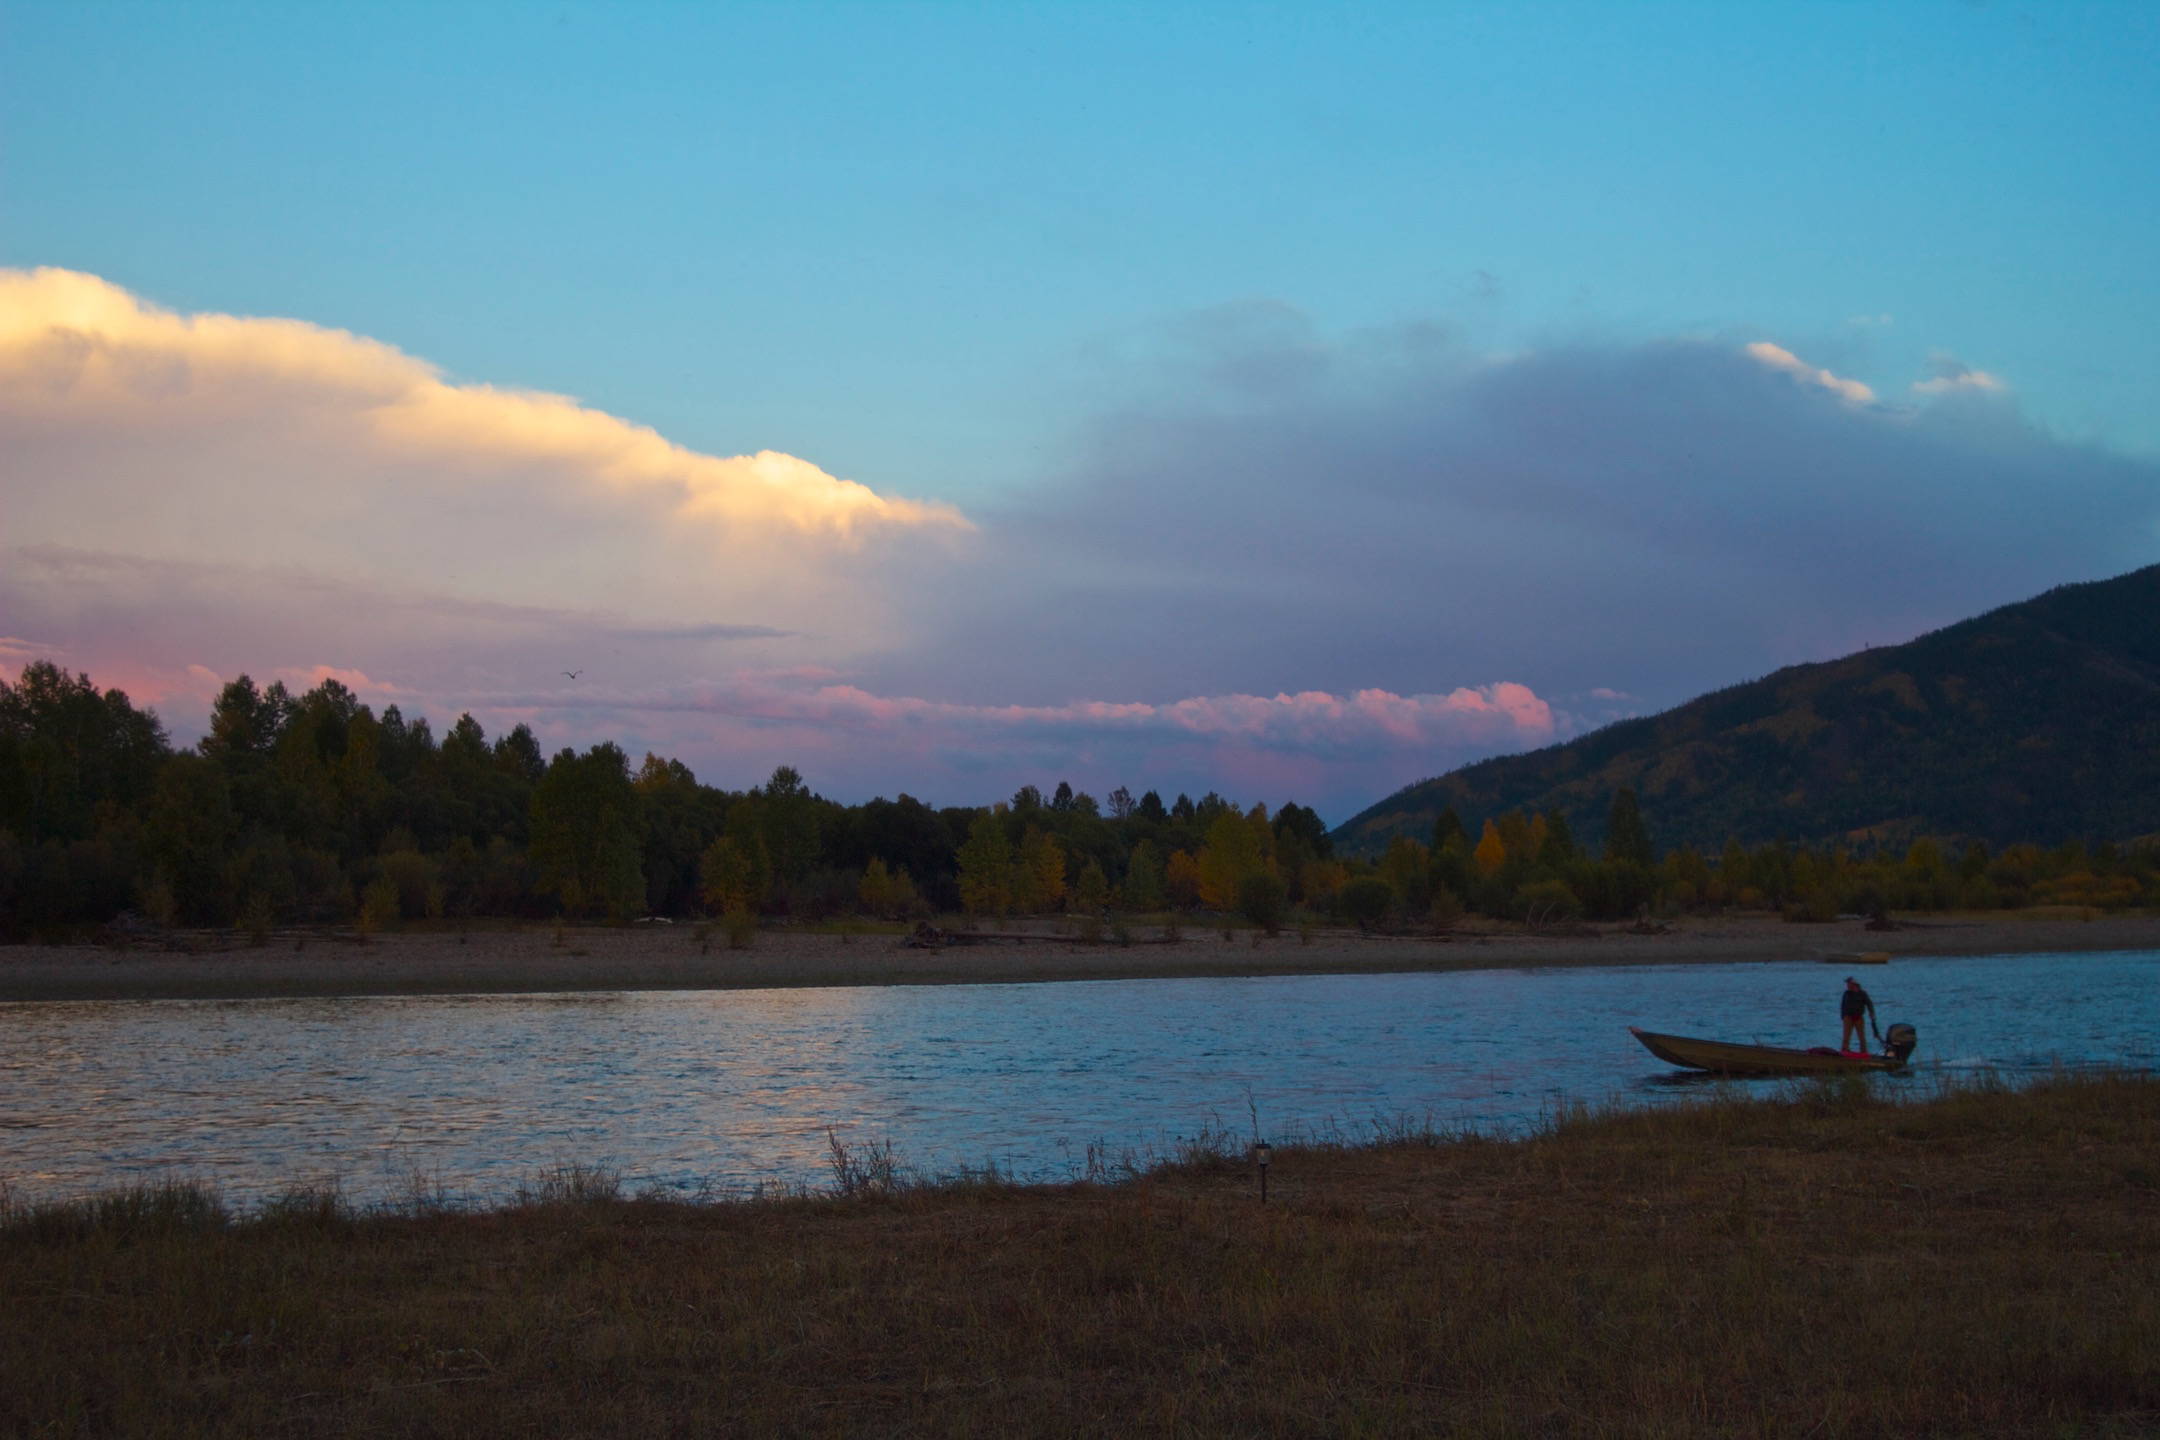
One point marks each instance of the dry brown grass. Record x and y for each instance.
(1984, 1264)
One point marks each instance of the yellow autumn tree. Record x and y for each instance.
(732, 873)
(1322, 880)
(1491, 852)
(1232, 853)
(1181, 878)
(1039, 872)
(879, 888)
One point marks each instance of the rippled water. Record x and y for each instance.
(679, 1089)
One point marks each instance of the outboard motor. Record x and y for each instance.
(1899, 1040)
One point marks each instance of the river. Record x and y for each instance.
(702, 1091)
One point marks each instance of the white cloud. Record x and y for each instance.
(75, 348)
(216, 439)
(1952, 375)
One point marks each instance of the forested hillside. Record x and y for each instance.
(2036, 722)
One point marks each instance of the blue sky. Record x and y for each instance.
(958, 253)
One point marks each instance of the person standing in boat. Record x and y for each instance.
(1855, 1006)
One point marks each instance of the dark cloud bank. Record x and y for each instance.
(1282, 513)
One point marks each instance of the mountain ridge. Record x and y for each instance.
(2037, 720)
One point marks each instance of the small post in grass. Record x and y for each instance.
(1262, 1153)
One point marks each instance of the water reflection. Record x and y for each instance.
(680, 1089)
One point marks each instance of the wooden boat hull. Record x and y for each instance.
(1727, 1058)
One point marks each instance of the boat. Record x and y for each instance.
(1727, 1057)
(1856, 957)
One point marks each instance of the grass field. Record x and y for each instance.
(1985, 1263)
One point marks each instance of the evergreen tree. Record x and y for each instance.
(1626, 839)
(1557, 850)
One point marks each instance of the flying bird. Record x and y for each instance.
(573, 674)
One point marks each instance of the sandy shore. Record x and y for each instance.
(673, 958)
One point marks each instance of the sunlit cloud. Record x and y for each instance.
(1777, 357)
(76, 348)
(250, 444)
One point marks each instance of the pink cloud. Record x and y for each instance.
(17, 651)
(1502, 711)
(298, 679)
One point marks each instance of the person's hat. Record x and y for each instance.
(1850, 981)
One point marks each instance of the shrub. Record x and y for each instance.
(379, 905)
(1447, 910)
(1819, 906)
(1366, 901)
(1262, 899)
(1547, 902)
(412, 876)
(740, 923)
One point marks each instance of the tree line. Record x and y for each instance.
(313, 809)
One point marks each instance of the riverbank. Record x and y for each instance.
(1825, 1263)
(499, 960)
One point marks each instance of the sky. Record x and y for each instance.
(1290, 401)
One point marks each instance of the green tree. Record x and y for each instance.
(985, 866)
(585, 830)
(190, 835)
(1263, 899)
(67, 750)
(1366, 901)
(1448, 830)
(677, 823)
(1408, 871)
(791, 825)
(1557, 849)
(874, 891)
(246, 721)
(1144, 887)
(1091, 892)
(731, 873)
